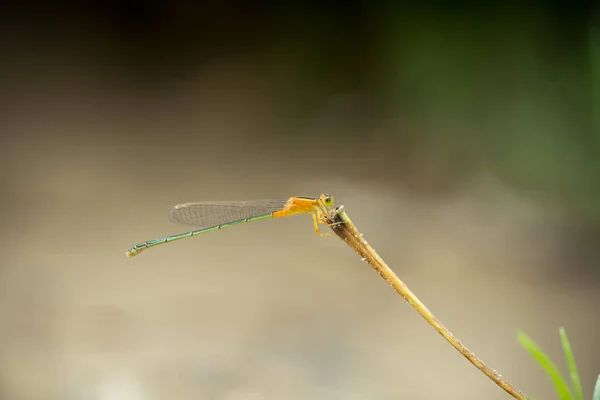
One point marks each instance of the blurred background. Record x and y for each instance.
(463, 140)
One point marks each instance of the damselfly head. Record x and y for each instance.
(327, 200)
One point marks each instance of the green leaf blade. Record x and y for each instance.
(571, 364)
(547, 365)
(597, 390)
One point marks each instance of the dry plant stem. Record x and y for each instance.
(341, 224)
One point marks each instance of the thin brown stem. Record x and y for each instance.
(341, 224)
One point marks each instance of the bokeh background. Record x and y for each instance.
(463, 139)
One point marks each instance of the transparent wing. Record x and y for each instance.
(208, 214)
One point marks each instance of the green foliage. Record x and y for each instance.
(597, 390)
(557, 380)
(571, 363)
(560, 384)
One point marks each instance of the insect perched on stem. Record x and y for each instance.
(215, 215)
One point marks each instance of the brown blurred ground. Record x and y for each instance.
(91, 163)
